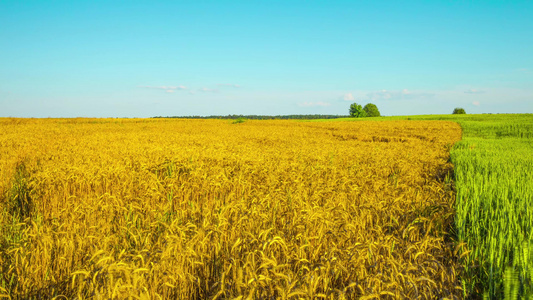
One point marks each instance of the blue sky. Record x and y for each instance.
(170, 58)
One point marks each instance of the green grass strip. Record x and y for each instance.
(494, 181)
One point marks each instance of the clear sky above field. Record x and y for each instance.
(168, 58)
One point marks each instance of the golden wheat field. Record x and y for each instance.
(207, 209)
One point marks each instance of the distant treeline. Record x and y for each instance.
(260, 117)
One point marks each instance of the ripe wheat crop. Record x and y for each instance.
(207, 209)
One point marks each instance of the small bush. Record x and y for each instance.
(239, 120)
(459, 111)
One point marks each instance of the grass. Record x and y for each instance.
(494, 204)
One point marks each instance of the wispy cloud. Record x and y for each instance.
(476, 103)
(311, 104)
(173, 88)
(382, 95)
(229, 85)
(168, 89)
(524, 70)
(396, 95)
(348, 97)
(207, 90)
(474, 91)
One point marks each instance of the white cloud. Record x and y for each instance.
(348, 97)
(474, 91)
(476, 103)
(311, 104)
(208, 90)
(168, 89)
(523, 70)
(404, 94)
(229, 85)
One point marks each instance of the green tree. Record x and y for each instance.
(371, 110)
(459, 111)
(357, 111)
